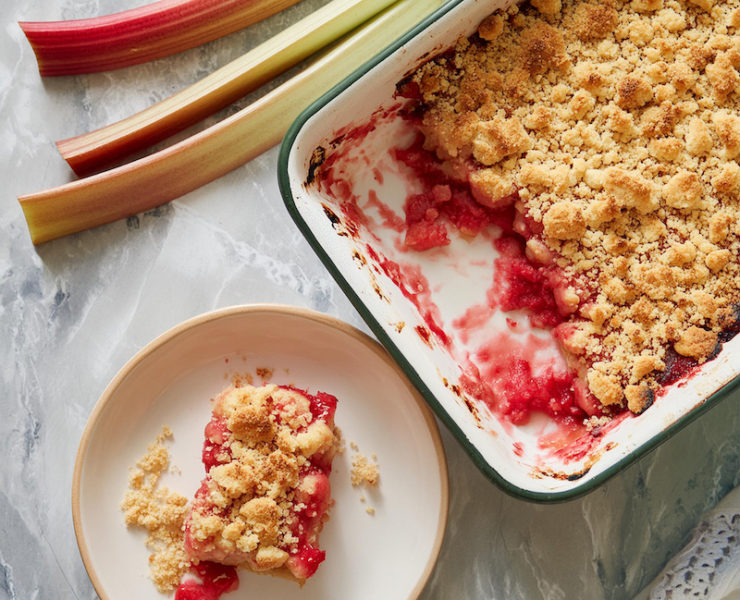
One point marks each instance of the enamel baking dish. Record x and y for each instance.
(359, 119)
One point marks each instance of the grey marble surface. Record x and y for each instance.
(73, 311)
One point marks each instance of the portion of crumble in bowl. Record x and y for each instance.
(611, 133)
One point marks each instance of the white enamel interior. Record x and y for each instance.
(378, 411)
(458, 274)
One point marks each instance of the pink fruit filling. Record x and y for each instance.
(213, 580)
(526, 279)
(522, 284)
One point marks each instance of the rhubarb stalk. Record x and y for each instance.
(91, 151)
(183, 167)
(140, 34)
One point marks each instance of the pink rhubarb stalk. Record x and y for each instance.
(140, 34)
(92, 151)
(191, 163)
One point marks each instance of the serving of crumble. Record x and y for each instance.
(603, 138)
(268, 454)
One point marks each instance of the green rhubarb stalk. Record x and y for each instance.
(140, 34)
(183, 167)
(91, 151)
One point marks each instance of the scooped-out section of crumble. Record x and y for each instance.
(605, 137)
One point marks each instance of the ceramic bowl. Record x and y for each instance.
(170, 383)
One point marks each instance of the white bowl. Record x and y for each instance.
(458, 276)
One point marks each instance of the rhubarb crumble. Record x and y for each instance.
(266, 495)
(603, 139)
(364, 472)
(268, 453)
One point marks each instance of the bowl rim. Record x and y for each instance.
(183, 328)
(284, 184)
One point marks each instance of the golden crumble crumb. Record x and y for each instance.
(594, 21)
(564, 221)
(364, 472)
(717, 260)
(727, 127)
(547, 7)
(595, 422)
(727, 180)
(491, 27)
(370, 510)
(341, 444)
(734, 19)
(605, 387)
(541, 48)
(646, 5)
(489, 188)
(638, 398)
(634, 92)
(499, 138)
(697, 343)
(665, 149)
(698, 139)
(704, 4)
(160, 512)
(265, 373)
(241, 379)
(631, 190)
(684, 190)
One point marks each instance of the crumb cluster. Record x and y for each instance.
(265, 439)
(364, 472)
(617, 124)
(160, 512)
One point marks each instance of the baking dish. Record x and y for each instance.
(359, 119)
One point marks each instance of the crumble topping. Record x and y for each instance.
(364, 472)
(159, 511)
(264, 476)
(617, 125)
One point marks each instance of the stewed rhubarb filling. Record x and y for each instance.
(602, 139)
(268, 454)
(525, 278)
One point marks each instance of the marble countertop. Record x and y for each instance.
(73, 311)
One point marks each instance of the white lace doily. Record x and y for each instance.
(709, 566)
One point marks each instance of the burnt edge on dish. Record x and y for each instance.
(317, 159)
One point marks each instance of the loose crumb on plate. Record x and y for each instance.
(241, 379)
(265, 373)
(364, 472)
(160, 512)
